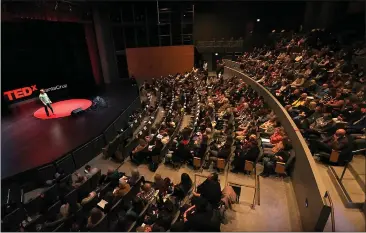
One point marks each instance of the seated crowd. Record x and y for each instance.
(230, 124)
(321, 88)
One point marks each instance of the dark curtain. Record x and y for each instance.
(93, 52)
(20, 11)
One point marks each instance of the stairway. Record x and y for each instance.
(352, 186)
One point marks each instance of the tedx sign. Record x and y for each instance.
(20, 92)
(24, 92)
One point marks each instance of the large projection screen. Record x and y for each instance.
(153, 62)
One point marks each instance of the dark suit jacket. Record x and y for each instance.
(339, 144)
(224, 153)
(202, 150)
(211, 191)
(252, 154)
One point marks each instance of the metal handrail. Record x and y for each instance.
(327, 195)
(256, 187)
(343, 172)
(347, 163)
(255, 196)
(360, 150)
(195, 180)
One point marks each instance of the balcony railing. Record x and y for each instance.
(220, 44)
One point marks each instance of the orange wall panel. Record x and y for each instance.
(153, 62)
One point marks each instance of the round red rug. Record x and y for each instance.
(63, 108)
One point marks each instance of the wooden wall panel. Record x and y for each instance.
(153, 62)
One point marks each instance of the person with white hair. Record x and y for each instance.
(135, 176)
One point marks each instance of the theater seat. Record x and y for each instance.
(105, 150)
(334, 156)
(220, 164)
(102, 225)
(196, 162)
(280, 169)
(155, 159)
(249, 166)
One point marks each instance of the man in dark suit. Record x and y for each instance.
(251, 155)
(210, 189)
(337, 142)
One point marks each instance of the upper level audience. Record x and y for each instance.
(322, 89)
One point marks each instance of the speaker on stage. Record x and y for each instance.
(77, 112)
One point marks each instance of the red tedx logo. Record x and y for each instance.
(20, 92)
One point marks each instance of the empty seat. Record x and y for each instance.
(196, 162)
(10, 222)
(83, 155)
(72, 197)
(105, 150)
(67, 180)
(128, 197)
(249, 166)
(67, 164)
(280, 168)
(220, 164)
(53, 211)
(105, 188)
(33, 206)
(116, 208)
(46, 173)
(51, 195)
(85, 189)
(98, 144)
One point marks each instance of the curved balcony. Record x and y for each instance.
(306, 180)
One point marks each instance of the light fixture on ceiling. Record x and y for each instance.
(258, 20)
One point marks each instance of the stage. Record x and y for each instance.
(28, 142)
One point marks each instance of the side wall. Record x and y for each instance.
(306, 180)
(153, 62)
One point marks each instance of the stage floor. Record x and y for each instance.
(28, 142)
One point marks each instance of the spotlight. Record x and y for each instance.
(216, 54)
(258, 20)
(70, 8)
(56, 6)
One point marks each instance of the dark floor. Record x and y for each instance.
(28, 142)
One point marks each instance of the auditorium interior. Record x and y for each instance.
(183, 116)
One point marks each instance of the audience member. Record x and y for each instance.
(95, 216)
(147, 192)
(91, 171)
(210, 189)
(182, 189)
(135, 176)
(122, 189)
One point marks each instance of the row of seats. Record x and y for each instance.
(50, 196)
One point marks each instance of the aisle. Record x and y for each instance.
(345, 218)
